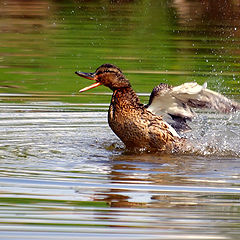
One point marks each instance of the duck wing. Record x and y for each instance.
(175, 103)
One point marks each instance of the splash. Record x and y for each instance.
(216, 134)
(213, 134)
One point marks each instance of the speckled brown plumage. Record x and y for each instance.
(135, 125)
(130, 120)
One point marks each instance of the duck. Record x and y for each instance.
(157, 125)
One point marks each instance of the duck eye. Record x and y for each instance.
(109, 71)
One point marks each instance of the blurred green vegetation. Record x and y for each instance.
(42, 45)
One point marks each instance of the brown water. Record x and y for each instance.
(63, 173)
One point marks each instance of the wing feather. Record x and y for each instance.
(197, 96)
(177, 102)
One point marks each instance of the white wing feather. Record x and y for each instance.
(178, 100)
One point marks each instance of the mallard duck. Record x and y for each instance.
(146, 127)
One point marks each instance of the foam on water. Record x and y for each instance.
(216, 134)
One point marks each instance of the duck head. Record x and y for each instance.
(107, 75)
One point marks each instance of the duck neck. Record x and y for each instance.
(125, 97)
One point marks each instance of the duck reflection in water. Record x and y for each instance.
(149, 180)
(157, 125)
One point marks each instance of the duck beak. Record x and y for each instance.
(88, 76)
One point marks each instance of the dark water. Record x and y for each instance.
(63, 173)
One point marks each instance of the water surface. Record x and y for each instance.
(64, 174)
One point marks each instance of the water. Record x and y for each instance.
(64, 174)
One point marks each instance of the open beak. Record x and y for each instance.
(88, 76)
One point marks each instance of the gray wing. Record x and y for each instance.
(175, 103)
(197, 96)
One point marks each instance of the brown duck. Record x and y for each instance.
(154, 126)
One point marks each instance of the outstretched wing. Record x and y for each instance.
(197, 96)
(177, 102)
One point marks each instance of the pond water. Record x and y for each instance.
(64, 174)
